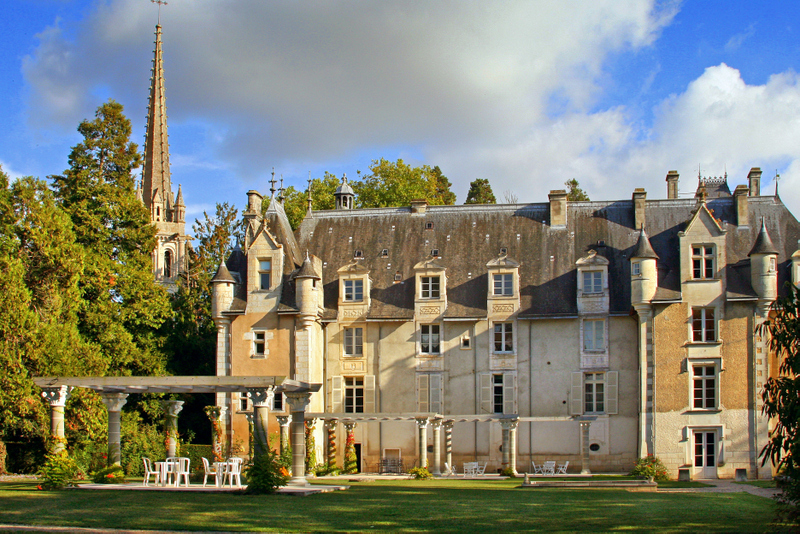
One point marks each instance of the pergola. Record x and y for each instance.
(114, 392)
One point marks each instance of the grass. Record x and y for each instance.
(400, 505)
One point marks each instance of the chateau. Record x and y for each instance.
(589, 332)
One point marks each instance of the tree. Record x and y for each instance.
(295, 202)
(509, 197)
(480, 192)
(397, 184)
(574, 192)
(781, 396)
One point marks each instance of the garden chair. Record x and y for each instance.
(449, 471)
(470, 468)
(233, 470)
(537, 469)
(148, 471)
(562, 469)
(480, 469)
(549, 468)
(209, 470)
(182, 471)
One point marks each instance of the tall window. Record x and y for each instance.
(702, 262)
(504, 284)
(167, 264)
(503, 337)
(354, 341)
(497, 393)
(354, 394)
(259, 344)
(429, 339)
(592, 281)
(277, 402)
(593, 393)
(429, 287)
(704, 386)
(636, 268)
(703, 325)
(264, 274)
(353, 290)
(594, 335)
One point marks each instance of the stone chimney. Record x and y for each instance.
(639, 196)
(254, 202)
(740, 201)
(418, 206)
(672, 184)
(754, 181)
(558, 208)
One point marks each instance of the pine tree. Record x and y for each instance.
(574, 191)
(480, 192)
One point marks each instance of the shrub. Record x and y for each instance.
(195, 453)
(650, 467)
(265, 473)
(58, 471)
(89, 458)
(327, 469)
(507, 472)
(420, 473)
(3, 456)
(113, 474)
(140, 439)
(350, 458)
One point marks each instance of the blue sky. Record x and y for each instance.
(525, 94)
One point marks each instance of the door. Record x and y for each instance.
(705, 454)
(357, 447)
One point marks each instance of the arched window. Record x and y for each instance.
(168, 264)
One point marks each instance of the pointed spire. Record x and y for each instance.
(156, 173)
(309, 211)
(179, 197)
(272, 184)
(763, 244)
(643, 247)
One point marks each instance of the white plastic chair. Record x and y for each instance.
(233, 470)
(562, 469)
(549, 468)
(209, 470)
(182, 472)
(537, 469)
(470, 468)
(480, 469)
(149, 471)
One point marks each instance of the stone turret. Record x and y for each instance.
(222, 292)
(306, 290)
(180, 207)
(344, 195)
(644, 276)
(763, 267)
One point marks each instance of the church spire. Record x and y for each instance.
(156, 184)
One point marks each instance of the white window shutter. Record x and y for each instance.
(612, 395)
(509, 393)
(369, 394)
(576, 394)
(486, 393)
(435, 386)
(336, 391)
(422, 393)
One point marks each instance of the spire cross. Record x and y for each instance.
(160, 3)
(272, 183)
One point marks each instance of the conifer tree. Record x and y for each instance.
(480, 192)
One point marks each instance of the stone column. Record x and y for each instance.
(330, 426)
(171, 410)
(298, 403)
(284, 420)
(512, 444)
(504, 425)
(114, 403)
(448, 444)
(215, 415)
(436, 424)
(262, 400)
(422, 450)
(57, 397)
(585, 447)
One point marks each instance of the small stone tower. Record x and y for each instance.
(644, 276)
(344, 195)
(763, 268)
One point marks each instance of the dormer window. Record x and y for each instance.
(435, 253)
(592, 281)
(264, 274)
(429, 225)
(353, 290)
(504, 251)
(429, 287)
(503, 285)
(398, 277)
(702, 262)
(385, 253)
(358, 254)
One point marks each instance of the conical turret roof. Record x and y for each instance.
(763, 244)
(643, 247)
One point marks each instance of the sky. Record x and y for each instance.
(525, 94)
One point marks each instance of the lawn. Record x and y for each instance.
(403, 505)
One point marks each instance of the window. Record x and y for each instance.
(429, 339)
(636, 268)
(702, 262)
(703, 326)
(354, 341)
(772, 265)
(504, 337)
(385, 253)
(353, 290)
(243, 402)
(504, 250)
(465, 341)
(429, 392)
(277, 402)
(167, 264)
(354, 394)
(259, 344)
(497, 393)
(594, 335)
(358, 254)
(398, 276)
(504, 284)
(593, 393)
(435, 252)
(592, 281)
(429, 287)
(429, 226)
(704, 387)
(264, 274)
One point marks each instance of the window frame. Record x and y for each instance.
(352, 386)
(505, 329)
(704, 389)
(505, 285)
(701, 334)
(636, 268)
(352, 289)
(595, 286)
(594, 388)
(264, 274)
(429, 343)
(259, 340)
(704, 261)
(498, 397)
(430, 287)
(353, 342)
(597, 324)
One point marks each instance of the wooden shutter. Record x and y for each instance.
(612, 395)
(422, 393)
(435, 387)
(509, 393)
(369, 394)
(336, 394)
(485, 394)
(576, 394)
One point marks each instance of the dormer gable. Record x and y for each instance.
(702, 247)
(265, 265)
(503, 287)
(354, 290)
(593, 294)
(430, 286)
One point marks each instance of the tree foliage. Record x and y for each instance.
(397, 184)
(480, 192)
(574, 191)
(295, 202)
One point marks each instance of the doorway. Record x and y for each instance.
(357, 448)
(705, 453)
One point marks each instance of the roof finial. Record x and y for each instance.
(309, 192)
(777, 179)
(272, 184)
(280, 191)
(160, 3)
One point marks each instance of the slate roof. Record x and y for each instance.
(467, 237)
